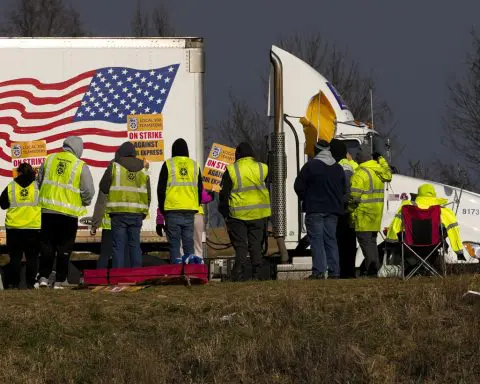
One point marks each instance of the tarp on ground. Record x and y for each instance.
(161, 274)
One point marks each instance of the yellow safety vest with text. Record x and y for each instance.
(182, 185)
(60, 189)
(24, 211)
(128, 192)
(250, 198)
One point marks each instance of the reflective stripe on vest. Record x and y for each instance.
(182, 184)
(24, 211)
(248, 202)
(60, 189)
(128, 192)
(371, 191)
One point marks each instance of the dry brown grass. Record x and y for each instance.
(363, 331)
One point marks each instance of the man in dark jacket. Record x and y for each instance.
(22, 223)
(128, 203)
(245, 205)
(321, 186)
(179, 193)
(346, 237)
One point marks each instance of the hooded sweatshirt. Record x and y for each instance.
(101, 203)
(321, 185)
(126, 157)
(24, 181)
(179, 148)
(74, 145)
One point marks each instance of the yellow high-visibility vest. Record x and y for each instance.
(250, 198)
(182, 184)
(128, 192)
(24, 211)
(60, 189)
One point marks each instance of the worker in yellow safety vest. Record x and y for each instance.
(346, 237)
(426, 198)
(66, 188)
(245, 205)
(101, 219)
(366, 204)
(22, 224)
(126, 185)
(179, 194)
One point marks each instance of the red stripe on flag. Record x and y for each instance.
(37, 115)
(52, 86)
(44, 100)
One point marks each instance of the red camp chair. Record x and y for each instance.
(423, 231)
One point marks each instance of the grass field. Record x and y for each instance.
(363, 331)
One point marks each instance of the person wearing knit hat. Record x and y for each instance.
(244, 202)
(366, 204)
(321, 187)
(346, 237)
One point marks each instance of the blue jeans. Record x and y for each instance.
(126, 229)
(106, 249)
(179, 226)
(321, 230)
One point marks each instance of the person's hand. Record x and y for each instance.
(93, 230)
(146, 164)
(461, 256)
(160, 228)
(349, 156)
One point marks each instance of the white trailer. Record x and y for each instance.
(51, 88)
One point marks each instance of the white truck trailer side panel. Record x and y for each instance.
(57, 60)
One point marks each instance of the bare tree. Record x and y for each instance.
(462, 119)
(243, 123)
(42, 18)
(152, 23)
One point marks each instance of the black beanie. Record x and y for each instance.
(244, 149)
(338, 149)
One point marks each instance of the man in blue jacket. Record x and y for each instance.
(321, 187)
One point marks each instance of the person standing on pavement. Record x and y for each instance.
(22, 224)
(66, 189)
(127, 187)
(179, 193)
(245, 205)
(366, 204)
(346, 237)
(321, 187)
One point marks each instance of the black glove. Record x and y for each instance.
(160, 229)
(461, 256)
(376, 156)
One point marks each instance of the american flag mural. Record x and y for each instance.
(93, 105)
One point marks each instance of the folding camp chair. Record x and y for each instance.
(422, 232)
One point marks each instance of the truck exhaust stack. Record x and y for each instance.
(279, 162)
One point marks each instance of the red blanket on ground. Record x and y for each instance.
(161, 274)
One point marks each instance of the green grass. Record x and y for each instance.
(362, 331)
